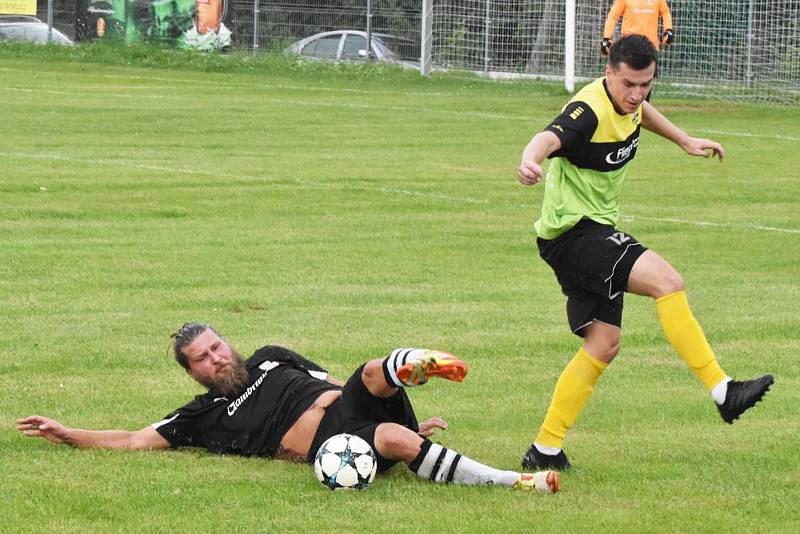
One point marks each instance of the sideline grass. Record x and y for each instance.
(342, 212)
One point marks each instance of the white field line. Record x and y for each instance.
(316, 184)
(214, 83)
(404, 109)
(224, 84)
(289, 102)
(748, 134)
(742, 226)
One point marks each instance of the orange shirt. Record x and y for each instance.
(639, 16)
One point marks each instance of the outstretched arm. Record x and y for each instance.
(51, 430)
(654, 121)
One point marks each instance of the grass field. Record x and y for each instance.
(343, 212)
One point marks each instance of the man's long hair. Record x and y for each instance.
(184, 336)
(229, 384)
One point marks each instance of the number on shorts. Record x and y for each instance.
(619, 238)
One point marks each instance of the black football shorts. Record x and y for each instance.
(359, 412)
(592, 262)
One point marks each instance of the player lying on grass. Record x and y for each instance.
(591, 145)
(279, 404)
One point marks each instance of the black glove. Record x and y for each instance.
(668, 37)
(605, 46)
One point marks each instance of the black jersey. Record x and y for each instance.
(282, 386)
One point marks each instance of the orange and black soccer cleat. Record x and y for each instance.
(544, 481)
(433, 363)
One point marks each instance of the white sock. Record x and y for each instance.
(720, 390)
(550, 451)
(442, 465)
(398, 359)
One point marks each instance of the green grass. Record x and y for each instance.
(344, 211)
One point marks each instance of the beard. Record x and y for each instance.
(231, 382)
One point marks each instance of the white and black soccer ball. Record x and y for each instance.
(345, 461)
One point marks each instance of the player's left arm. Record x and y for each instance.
(657, 123)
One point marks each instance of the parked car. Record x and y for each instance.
(351, 45)
(30, 29)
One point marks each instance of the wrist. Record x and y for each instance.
(685, 143)
(69, 437)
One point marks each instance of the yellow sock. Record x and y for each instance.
(573, 389)
(685, 335)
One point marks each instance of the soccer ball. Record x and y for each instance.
(345, 461)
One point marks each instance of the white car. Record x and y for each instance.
(351, 45)
(29, 29)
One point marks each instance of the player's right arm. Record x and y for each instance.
(51, 430)
(542, 145)
(568, 132)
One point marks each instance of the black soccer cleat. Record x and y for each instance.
(742, 396)
(540, 461)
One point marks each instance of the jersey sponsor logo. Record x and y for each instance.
(576, 113)
(267, 366)
(615, 158)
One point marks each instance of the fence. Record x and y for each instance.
(736, 49)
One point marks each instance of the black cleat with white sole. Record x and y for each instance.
(539, 461)
(742, 396)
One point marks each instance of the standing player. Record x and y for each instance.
(591, 145)
(640, 17)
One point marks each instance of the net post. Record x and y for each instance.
(256, 11)
(426, 38)
(569, 46)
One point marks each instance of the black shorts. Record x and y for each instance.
(359, 412)
(592, 262)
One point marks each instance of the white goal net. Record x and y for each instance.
(734, 49)
(740, 49)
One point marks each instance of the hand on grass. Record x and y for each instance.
(42, 427)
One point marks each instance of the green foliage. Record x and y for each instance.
(344, 211)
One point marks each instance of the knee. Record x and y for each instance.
(373, 372)
(603, 347)
(671, 282)
(396, 442)
(606, 351)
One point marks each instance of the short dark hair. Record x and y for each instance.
(634, 50)
(185, 335)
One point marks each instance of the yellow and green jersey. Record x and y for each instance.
(586, 174)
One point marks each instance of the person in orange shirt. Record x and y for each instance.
(639, 16)
(209, 15)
